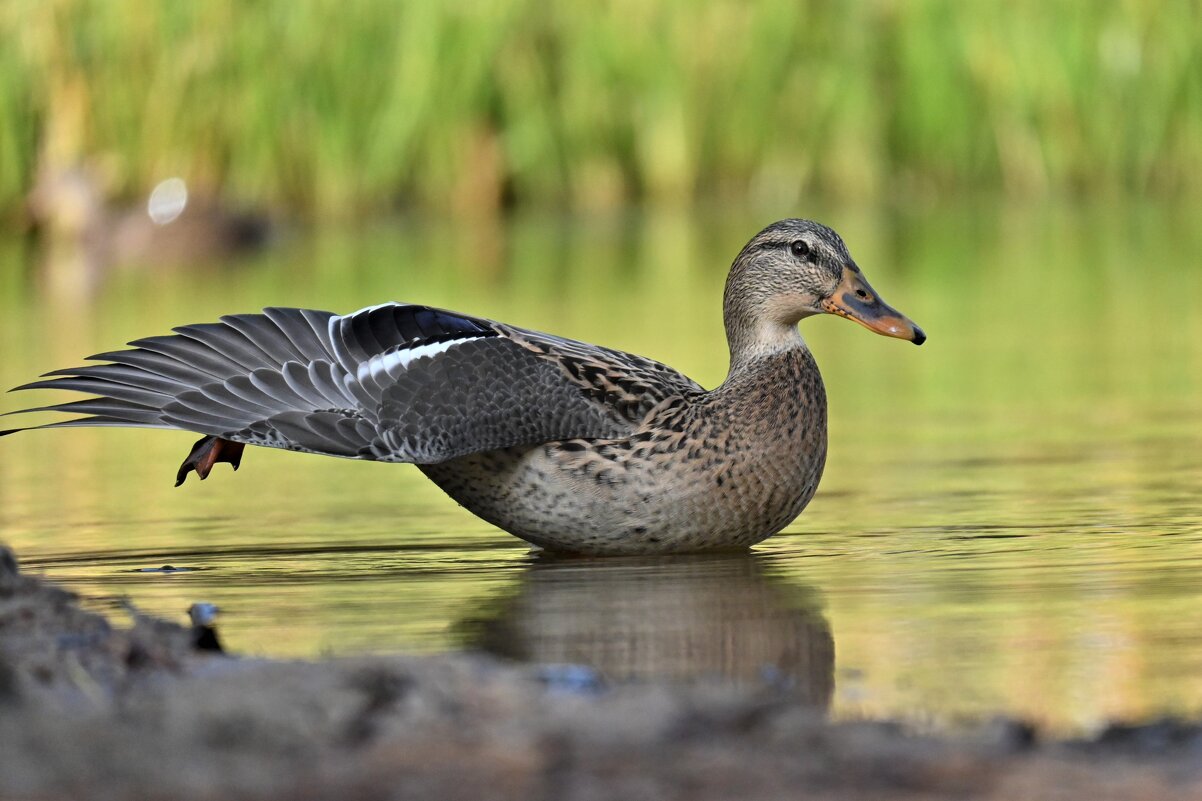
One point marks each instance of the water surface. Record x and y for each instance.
(1010, 521)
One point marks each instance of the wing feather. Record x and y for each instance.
(263, 331)
(392, 382)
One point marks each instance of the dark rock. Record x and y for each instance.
(10, 573)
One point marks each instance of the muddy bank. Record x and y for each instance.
(89, 708)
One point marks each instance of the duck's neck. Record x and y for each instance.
(782, 368)
(773, 381)
(768, 357)
(750, 345)
(756, 329)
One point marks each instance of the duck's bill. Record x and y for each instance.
(856, 300)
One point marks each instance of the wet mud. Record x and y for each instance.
(134, 709)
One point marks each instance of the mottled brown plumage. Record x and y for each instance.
(701, 470)
(568, 445)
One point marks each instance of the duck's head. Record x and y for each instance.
(798, 268)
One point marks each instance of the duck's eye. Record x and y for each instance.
(800, 248)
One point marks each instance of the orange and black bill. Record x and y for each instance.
(856, 300)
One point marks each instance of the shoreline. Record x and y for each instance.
(92, 709)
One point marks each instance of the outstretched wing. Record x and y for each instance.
(394, 382)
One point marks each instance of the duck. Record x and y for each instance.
(203, 632)
(570, 446)
(70, 206)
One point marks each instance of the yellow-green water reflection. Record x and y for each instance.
(1010, 521)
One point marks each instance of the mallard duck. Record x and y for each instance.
(71, 207)
(570, 446)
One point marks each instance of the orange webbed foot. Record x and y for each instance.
(207, 452)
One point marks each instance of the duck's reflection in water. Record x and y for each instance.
(681, 619)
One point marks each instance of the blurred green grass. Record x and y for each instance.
(327, 107)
